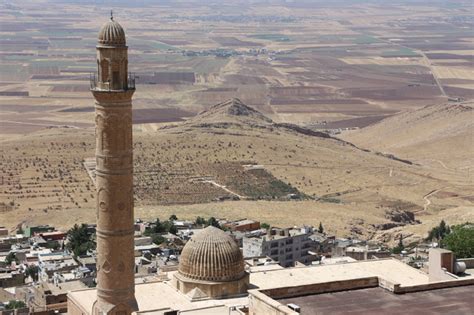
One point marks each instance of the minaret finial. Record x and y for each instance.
(111, 15)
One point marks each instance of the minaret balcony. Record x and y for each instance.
(97, 85)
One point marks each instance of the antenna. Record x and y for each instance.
(111, 15)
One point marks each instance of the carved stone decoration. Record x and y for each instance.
(101, 199)
(121, 267)
(106, 267)
(114, 176)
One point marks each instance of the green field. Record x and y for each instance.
(406, 52)
(365, 39)
(162, 46)
(272, 37)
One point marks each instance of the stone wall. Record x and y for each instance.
(263, 302)
(433, 286)
(73, 308)
(260, 303)
(325, 287)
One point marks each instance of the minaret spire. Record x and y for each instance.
(112, 15)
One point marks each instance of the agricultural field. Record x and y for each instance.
(302, 62)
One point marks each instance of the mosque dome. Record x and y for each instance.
(211, 255)
(112, 34)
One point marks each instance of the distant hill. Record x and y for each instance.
(281, 174)
(232, 110)
(234, 113)
(441, 134)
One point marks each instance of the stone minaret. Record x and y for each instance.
(113, 89)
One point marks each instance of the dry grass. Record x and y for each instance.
(454, 72)
(361, 183)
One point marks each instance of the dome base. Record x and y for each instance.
(213, 290)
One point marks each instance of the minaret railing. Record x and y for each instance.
(96, 84)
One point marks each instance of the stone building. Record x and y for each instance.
(113, 89)
(212, 263)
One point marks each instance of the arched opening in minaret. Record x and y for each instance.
(116, 80)
(104, 70)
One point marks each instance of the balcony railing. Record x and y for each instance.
(95, 84)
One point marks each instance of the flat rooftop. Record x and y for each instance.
(161, 295)
(390, 269)
(456, 301)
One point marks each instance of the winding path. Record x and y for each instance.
(427, 201)
(224, 188)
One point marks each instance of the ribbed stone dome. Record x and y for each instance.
(211, 255)
(112, 34)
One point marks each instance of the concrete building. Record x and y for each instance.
(243, 225)
(286, 246)
(10, 278)
(113, 89)
(51, 297)
(51, 263)
(3, 231)
(365, 252)
(29, 231)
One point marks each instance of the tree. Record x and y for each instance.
(11, 257)
(80, 240)
(161, 227)
(265, 226)
(400, 247)
(439, 232)
(213, 222)
(442, 229)
(14, 304)
(200, 221)
(400, 243)
(168, 226)
(158, 239)
(321, 228)
(32, 271)
(173, 217)
(158, 227)
(461, 240)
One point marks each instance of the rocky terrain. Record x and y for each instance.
(232, 161)
(439, 139)
(441, 135)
